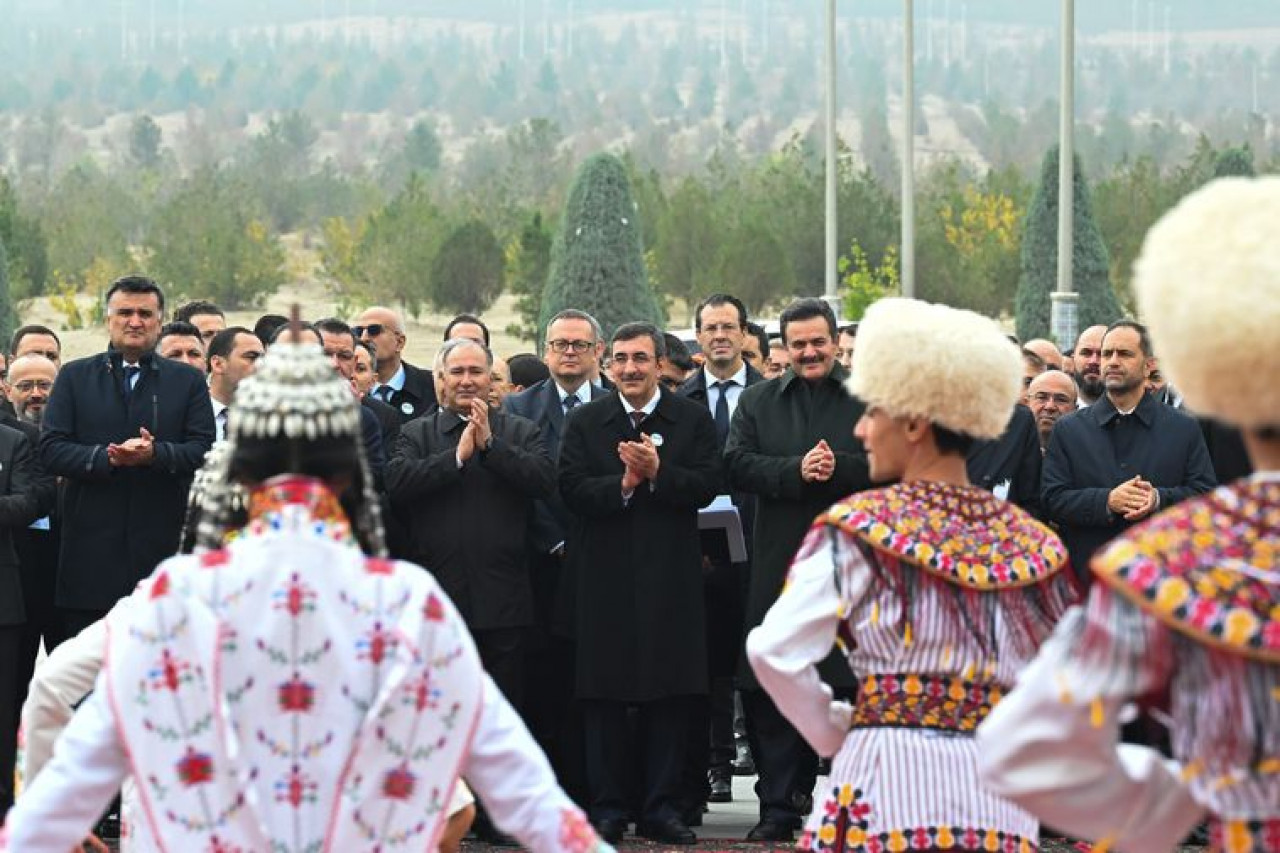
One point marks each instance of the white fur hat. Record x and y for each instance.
(1208, 284)
(954, 367)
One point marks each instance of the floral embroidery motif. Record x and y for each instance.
(922, 838)
(576, 833)
(924, 702)
(296, 788)
(195, 768)
(296, 696)
(844, 822)
(398, 784)
(1200, 567)
(964, 535)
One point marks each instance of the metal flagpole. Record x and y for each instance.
(1063, 319)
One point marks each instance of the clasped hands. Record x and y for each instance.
(477, 433)
(1133, 499)
(641, 459)
(133, 452)
(818, 464)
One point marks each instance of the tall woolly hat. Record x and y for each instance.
(954, 367)
(1208, 285)
(292, 396)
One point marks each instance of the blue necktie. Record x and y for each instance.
(131, 372)
(722, 408)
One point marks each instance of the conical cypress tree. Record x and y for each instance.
(8, 318)
(1091, 262)
(597, 261)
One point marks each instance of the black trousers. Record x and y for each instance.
(662, 737)
(10, 645)
(38, 557)
(711, 748)
(787, 765)
(552, 713)
(502, 653)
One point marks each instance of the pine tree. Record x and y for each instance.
(597, 263)
(8, 319)
(1234, 162)
(466, 275)
(528, 262)
(1090, 259)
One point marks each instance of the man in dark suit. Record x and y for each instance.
(572, 353)
(791, 444)
(26, 494)
(31, 379)
(1009, 466)
(125, 430)
(636, 466)
(409, 390)
(465, 478)
(233, 356)
(721, 325)
(1116, 462)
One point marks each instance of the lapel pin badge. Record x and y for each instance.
(656, 438)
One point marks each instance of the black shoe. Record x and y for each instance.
(611, 829)
(668, 831)
(692, 816)
(721, 790)
(743, 764)
(108, 829)
(771, 830)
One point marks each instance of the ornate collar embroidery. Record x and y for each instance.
(296, 502)
(1208, 568)
(963, 535)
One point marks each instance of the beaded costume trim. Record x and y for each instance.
(1244, 836)
(963, 535)
(1208, 568)
(911, 701)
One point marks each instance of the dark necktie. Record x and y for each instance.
(131, 372)
(385, 393)
(722, 408)
(569, 403)
(637, 418)
(222, 424)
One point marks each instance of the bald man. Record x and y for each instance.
(409, 390)
(1088, 363)
(1051, 395)
(1047, 350)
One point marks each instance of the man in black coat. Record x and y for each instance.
(26, 494)
(1128, 455)
(409, 390)
(791, 444)
(636, 466)
(572, 354)
(465, 478)
(1009, 466)
(721, 325)
(125, 430)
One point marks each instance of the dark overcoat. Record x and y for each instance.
(777, 422)
(637, 564)
(467, 525)
(26, 494)
(119, 523)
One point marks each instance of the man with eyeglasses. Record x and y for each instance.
(410, 390)
(125, 430)
(31, 380)
(1051, 395)
(572, 351)
(636, 466)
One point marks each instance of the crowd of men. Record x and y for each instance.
(556, 499)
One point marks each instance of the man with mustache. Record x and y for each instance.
(1087, 358)
(1114, 463)
(1050, 396)
(791, 444)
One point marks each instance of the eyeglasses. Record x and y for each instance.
(561, 345)
(26, 386)
(1045, 396)
(373, 329)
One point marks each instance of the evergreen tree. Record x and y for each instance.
(528, 262)
(1090, 260)
(466, 275)
(1234, 162)
(597, 264)
(8, 318)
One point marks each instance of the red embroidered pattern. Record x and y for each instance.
(924, 702)
(844, 822)
(576, 833)
(1244, 836)
(962, 534)
(1200, 568)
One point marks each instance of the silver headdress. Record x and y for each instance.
(293, 396)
